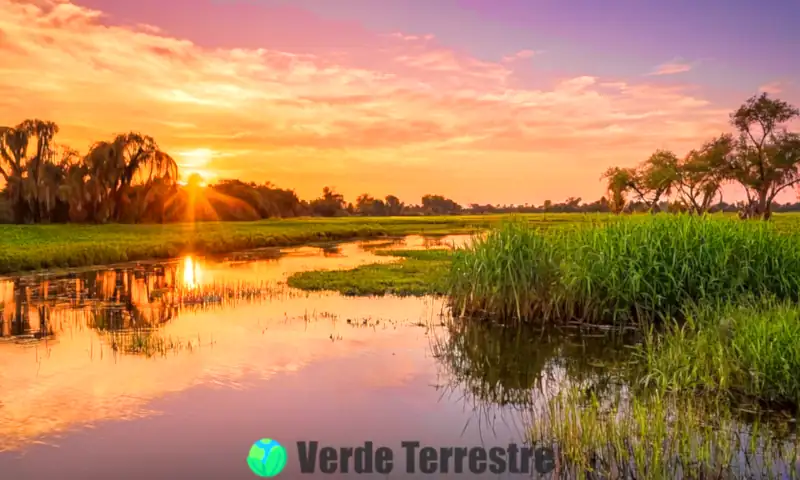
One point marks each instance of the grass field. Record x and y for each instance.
(31, 247)
(422, 272)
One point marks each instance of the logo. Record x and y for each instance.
(267, 458)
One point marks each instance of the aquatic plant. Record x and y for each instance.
(748, 351)
(621, 272)
(658, 436)
(147, 342)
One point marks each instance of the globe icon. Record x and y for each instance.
(266, 458)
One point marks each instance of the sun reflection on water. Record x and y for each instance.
(192, 273)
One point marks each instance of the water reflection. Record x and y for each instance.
(192, 273)
(518, 367)
(214, 343)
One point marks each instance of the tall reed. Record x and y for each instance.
(623, 271)
(747, 351)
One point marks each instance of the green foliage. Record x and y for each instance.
(764, 161)
(421, 272)
(745, 350)
(618, 183)
(624, 271)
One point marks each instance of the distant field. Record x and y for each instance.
(31, 247)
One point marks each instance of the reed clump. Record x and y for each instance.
(621, 272)
(747, 351)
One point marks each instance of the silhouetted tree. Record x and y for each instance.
(439, 205)
(330, 204)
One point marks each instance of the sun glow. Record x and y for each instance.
(192, 164)
(194, 180)
(192, 273)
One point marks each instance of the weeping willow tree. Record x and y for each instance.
(125, 176)
(125, 179)
(27, 152)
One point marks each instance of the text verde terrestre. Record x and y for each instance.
(415, 458)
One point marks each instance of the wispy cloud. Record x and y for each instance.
(671, 68)
(520, 55)
(403, 114)
(772, 88)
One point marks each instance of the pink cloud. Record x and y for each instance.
(772, 88)
(520, 55)
(402, 114)
(671, 68)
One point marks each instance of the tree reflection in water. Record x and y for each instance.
(127, 306)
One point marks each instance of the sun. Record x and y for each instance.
(193, 165)
(195, 180)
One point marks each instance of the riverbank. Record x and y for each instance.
(33, 247)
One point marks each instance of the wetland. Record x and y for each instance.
(139, 370)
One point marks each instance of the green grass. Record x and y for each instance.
(660, 436)
(31, 247)
(745, 351)
(421, 272)
(622, 272)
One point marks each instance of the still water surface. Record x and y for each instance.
(172, 370)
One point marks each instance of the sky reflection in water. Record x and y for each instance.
(235, 355)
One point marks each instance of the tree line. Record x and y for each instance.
(129, 179)
(761, 156)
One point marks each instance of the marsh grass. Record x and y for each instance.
(419, 272)
(748, 351)
(621, 272)
(147, 342)
(660, 436)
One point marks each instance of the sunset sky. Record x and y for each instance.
(484, 101)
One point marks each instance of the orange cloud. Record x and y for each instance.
(403, 115)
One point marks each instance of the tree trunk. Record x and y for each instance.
(19, 209)
(763, 207)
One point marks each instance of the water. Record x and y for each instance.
(173, 370)
(233, 355)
